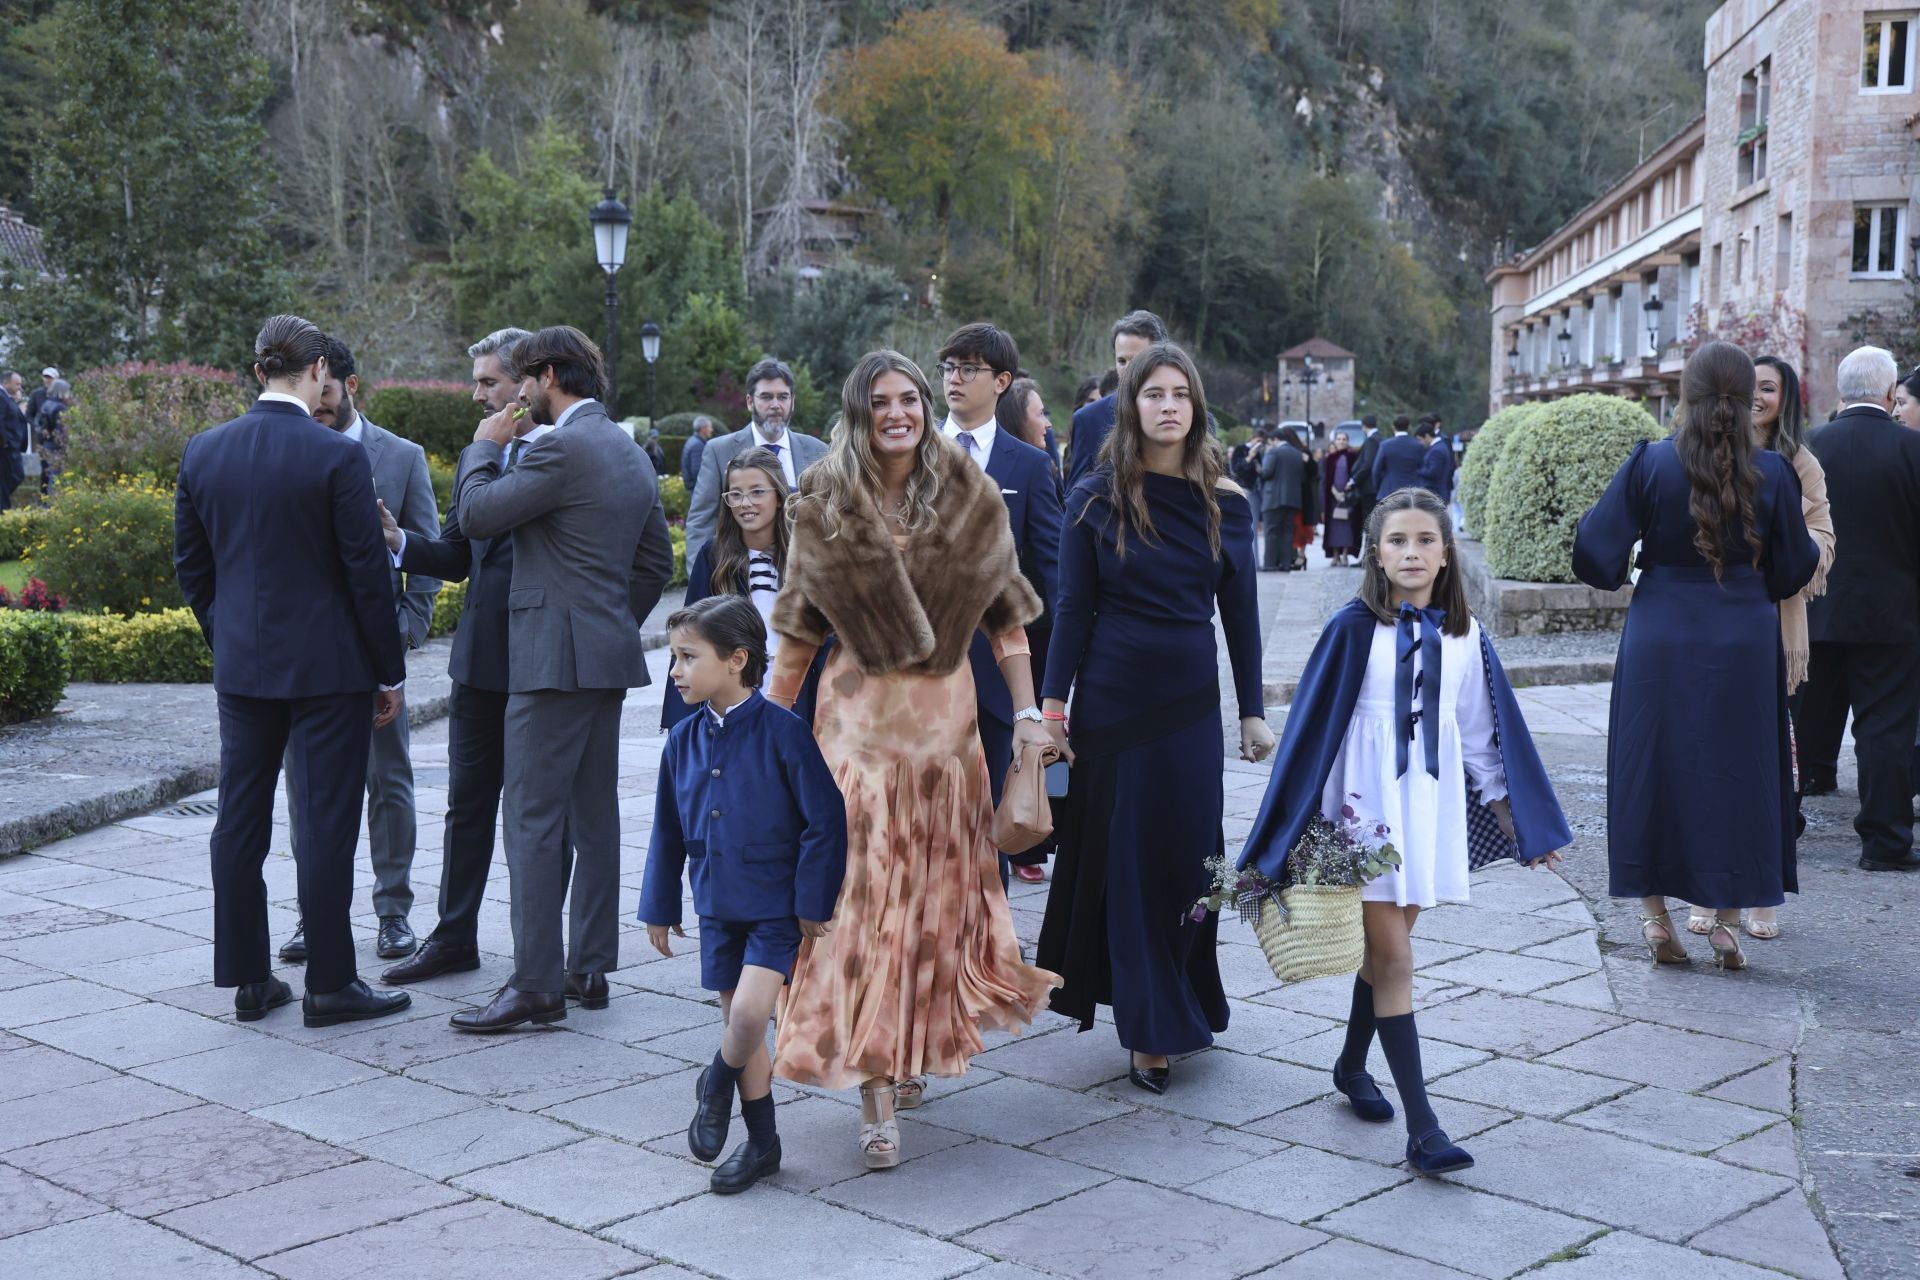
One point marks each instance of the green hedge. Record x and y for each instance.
(34, 664)
(1476, 472)
(1550, 471)
(447, 608)
(17, 530)
(675, 498)
(679, 535)
(152, 648)
(109, 547)
(437, 416)
(440, 474)
(681, 424)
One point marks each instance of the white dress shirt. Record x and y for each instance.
(283, 398)
(785, 442)
(982, 438)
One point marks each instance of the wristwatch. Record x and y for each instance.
(1030, 713)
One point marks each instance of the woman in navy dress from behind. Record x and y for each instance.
(1699, 775)
(1156, 535)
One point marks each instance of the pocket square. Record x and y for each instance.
(1009, 491)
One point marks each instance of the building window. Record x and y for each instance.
(1739, 258)
(1783, 252)
(1713, 278)
(1886, 62)
(1879, 239)
(1756, 94)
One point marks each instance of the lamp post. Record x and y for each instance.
(650, 348)
(1566, 348)
(1513, 358)
(1653, 307)
(610, 221)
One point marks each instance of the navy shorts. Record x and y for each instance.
(726, 946)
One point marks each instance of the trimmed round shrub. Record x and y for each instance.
(681, 424)
(1483, 454)
(675, 498)
(437, 416)
(136, 419)
(109, 547)
(1550, 472)
(34, 664)
(152, 648)
(448, 606)
(440, 474)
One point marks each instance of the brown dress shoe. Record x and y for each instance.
(590, 989)
(510, 1009)
(432, 960)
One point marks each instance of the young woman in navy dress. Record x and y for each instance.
(1156, 538)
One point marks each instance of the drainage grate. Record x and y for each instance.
(192, 809)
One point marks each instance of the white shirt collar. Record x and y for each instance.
(565, 413)
(1865, 404)
(358, 431)
(982, 438)
(283, 398)
(528, 439)
(757, 440)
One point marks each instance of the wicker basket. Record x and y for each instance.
(1318, 934)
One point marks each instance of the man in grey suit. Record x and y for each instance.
(401, 485)
(590, 557)
(770, 397)
(1283, 474)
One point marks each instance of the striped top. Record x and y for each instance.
(763, 584)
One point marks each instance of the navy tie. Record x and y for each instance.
(1418, 631)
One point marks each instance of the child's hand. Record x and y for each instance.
(1503, 814)
(657, 935)
(1551, 861)
(815, 928)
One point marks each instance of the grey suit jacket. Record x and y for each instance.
(704, 507)
(591, 552)
(400, 480)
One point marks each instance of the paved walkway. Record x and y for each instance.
(144, 1132)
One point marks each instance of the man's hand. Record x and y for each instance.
(389, 527)
(498, 428)
(657, 936)
(386, 705)
(815, 928)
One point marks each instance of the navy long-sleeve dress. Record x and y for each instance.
(1699, 776)
(1134, 640)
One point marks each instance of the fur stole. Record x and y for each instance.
(914, 609)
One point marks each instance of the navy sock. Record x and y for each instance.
(722, 1078)
(1360, 1024)
(758, 1113)
(1401, 1043)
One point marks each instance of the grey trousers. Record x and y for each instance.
(563, 775)
(391, 824)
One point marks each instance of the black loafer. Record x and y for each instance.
(588, 989)
(396, 939)
(355, 1002)
(707, 1135)
(432, 960)
(746, 1166)
(252, 1001)
(1909, 863)
(1152, 1079)
(295, 952)
(511, 1008)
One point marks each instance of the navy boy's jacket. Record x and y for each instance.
(751, 810)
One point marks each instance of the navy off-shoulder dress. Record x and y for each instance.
(1133, 639)
(1699, 776)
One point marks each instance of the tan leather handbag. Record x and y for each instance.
(1025, 815)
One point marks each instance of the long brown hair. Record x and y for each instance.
(1449, 588)
(730, 540)
(836, 483)
(1715, 444)
(1123, 454)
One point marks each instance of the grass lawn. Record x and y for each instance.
(13, 574)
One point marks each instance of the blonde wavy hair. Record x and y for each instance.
(836, 484)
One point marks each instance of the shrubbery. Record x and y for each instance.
(674, 498)
(1549, 472)
(17, 527)
(447, 608)
(109, 546)
(135, 419)
(1483, 454)
(33, 664)
(679, 535)
(437, 416)
(441, 474)
(152, 648)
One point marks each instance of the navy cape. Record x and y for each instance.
(1317, 725)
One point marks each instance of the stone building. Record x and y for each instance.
(1780, 211)
(1315, 383)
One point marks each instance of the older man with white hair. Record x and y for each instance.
(1865, 631)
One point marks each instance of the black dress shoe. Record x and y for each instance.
(295, 952)
(396, 939)
(746, 1166)
(590, 989)
(1911, 862)
(707, 1135)
(355, 1002)
(1152, 1079)
(511, 1008)
(253, 1000)
(433, 959)
(1818, 784)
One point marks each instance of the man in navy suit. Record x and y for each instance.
(977, 364)
(1399, 462)
(277, 549)
(13, 438)
(1132, 334)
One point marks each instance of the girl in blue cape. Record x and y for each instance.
(1405, 715)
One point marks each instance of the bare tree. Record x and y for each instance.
(804, 163)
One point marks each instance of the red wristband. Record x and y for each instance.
(1059, 717)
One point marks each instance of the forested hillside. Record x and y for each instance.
(1255, 170)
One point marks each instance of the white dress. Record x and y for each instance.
(1428, 816)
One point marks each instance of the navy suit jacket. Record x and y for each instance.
(277, 547)
(1436, 469)
(1091, 426)
(1027, 486)
(751, 812)
(1397, 465)
(13, 442)
(486, 565)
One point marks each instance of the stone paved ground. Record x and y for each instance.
(1625, 1123)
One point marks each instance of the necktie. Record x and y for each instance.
(1418, 631)
(774, 449)
(967, 442)
(514, 451)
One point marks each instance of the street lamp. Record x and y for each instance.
(650, 348)
(1513, 356)
(1566, 348)
(610, 221)
(1653, 308)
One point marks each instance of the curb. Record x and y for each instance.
(1521, 675)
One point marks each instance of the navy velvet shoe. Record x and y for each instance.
(1436, 1153)
(1363, 1095)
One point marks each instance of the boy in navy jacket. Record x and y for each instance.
(748, 807)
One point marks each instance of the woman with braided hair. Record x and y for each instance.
(1699, 777)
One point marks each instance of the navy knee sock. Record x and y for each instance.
(722, 1078)
(758, 1113)
(1360, 1026)
(1401, 1044)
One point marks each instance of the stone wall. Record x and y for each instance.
(1509, 608)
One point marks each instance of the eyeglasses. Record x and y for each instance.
(777, 397)
(742, 497)
(961, 373)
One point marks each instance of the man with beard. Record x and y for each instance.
(400, 485)
(770, 397)
(591, 556)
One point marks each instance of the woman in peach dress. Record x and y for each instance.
(901, 551)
